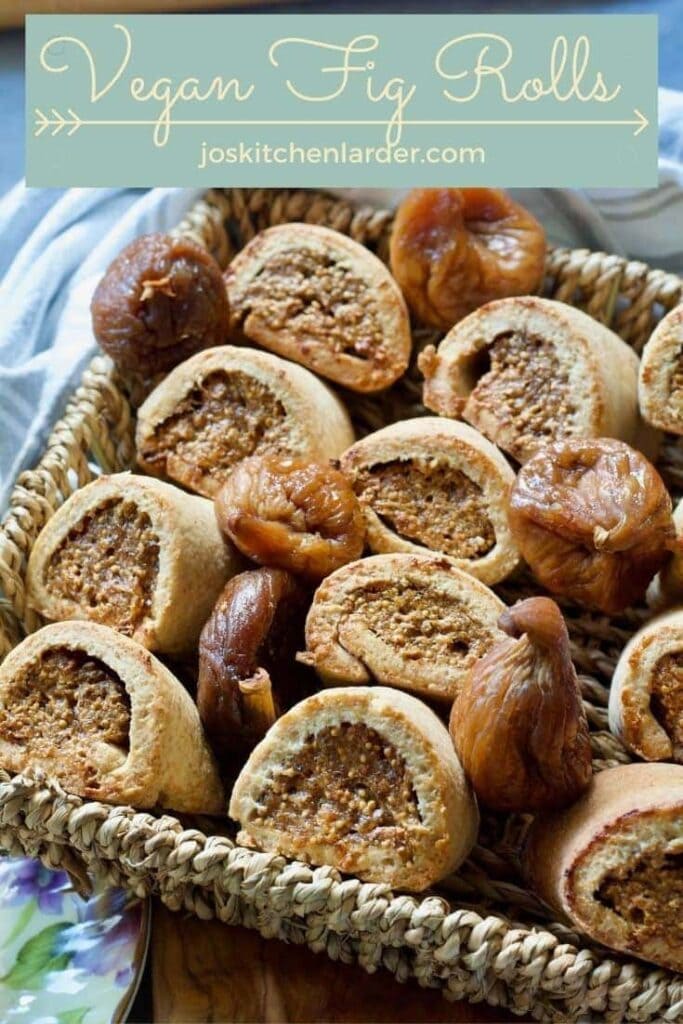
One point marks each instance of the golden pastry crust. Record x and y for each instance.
(160, 757)
(416, 622)
(611, 863)
(526, 371)
(667, 587)
(127, 541)
(435, 484)
(226, 404)
(660, 383)
(646, 693)
(425, 812)
(315, 296)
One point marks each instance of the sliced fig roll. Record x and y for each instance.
(363, 779)
(103, 716)
(660, 386)
(646, 695)
(135, 554)
(417, 622)
(226, 404)
(431, 483)
(613, 862)
(315, 296)
(526, 371)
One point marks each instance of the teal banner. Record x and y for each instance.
(342, 100)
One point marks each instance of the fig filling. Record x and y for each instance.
(666, 699)
(523, 395)
(64, 703)
(222, 420)
(345, 784)
(422, 623)
(648, 896)
(319, 301)
(429, 502)
(107, 566)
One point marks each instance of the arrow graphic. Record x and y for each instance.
(642, 122)
(57, 123)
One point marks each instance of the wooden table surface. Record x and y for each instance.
(207, 971)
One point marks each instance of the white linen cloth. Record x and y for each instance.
(55, 246)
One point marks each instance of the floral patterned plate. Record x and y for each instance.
(63, 959)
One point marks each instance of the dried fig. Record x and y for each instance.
(299, 515)
(454, 249)
(247, 669)
(160, 301)
(518, 724)
(593, 520)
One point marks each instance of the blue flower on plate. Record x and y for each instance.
(101, 941)
(24, 880)
(70, 967)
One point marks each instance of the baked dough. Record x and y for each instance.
(363, 779)
(431, 483)
(227, 403)
(108, 720)
(525, 371)
(613, 862)
(315, 296)
(660, 384)
(667, 587)
(417, 622)
(135, 554)
(646, 694)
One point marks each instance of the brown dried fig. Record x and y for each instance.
(160, 301)
(593, 520)
(299, 515)
(247, 669)
(454, 249)
(518, 724)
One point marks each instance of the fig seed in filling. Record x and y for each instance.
(666, 699)
(225, 419)
(648, 896)
(422, 623)
(62, 703)
(528, 391)
(428, 502)
(107, 565)
(317, 298)
(345, 784)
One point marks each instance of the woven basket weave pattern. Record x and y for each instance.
(489, 939)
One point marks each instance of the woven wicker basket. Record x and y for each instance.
(482, 937)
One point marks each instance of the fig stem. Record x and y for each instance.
(541, 620)
(258, 706)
